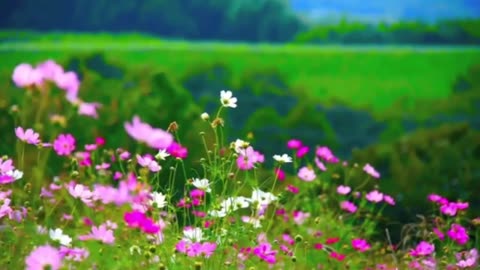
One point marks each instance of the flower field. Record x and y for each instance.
(75, 201)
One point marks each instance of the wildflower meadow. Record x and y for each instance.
(67, 203)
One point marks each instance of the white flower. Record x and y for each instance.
(283, 158)
(262, 198)
(16, 174)
(57, 235)
(227, 100)
(253, 220)
(239, 145)
(205, 116)
(162, 154)
(229, 205)
(202, 184)
(159, 199)
(193, 234)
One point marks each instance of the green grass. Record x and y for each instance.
(373, 77)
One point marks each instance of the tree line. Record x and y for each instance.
(232, 20)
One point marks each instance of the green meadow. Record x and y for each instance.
(359, 76)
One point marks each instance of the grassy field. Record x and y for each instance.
(368, 76)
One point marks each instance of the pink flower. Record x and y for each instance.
(343, 190)
(388, 199)
(294, 144)
(326, 154)
(306, 174)
(458, 233)
(29, 136)
(299, 217)
(153, 137)
(247, 158)
(348, 206)
(279, 174)
(101, 233)
(44, 257)
(302, 151)
(70, 83)
(64, 145)
(371, 171)
(196, 249)
(320, 164)
(374, 196)
(360, 244)
(89, 109)
(462, 205)
(177, 150)
(6, 165)
(24, 75)
(467, 259)
(74, 254)
(422, 249)
(50, 70)
(148, 162)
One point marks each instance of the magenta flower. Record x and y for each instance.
(24, 75)
(294, 144)
(64, 145)
(153, 137)
(137, 219)
(343, 190)
(374, 196)
(265, 252)
(89, 109)
(306, 174)
(439, 233)
(44, 257)
(177, 150)
(279, 174)
(458, 234)
(29, 136)
(293, 189)
(371, 171)
(348, 206)
(326, 154)
(422, 249)
(449, 209)
(360, 244)
(302, 151)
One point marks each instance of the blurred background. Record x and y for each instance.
(392, 83)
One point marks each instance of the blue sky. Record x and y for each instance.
(389, 9)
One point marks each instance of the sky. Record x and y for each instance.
(389, 10)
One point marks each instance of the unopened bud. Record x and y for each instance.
(205, 116)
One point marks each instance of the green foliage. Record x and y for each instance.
(443, 160)
(442, 32)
